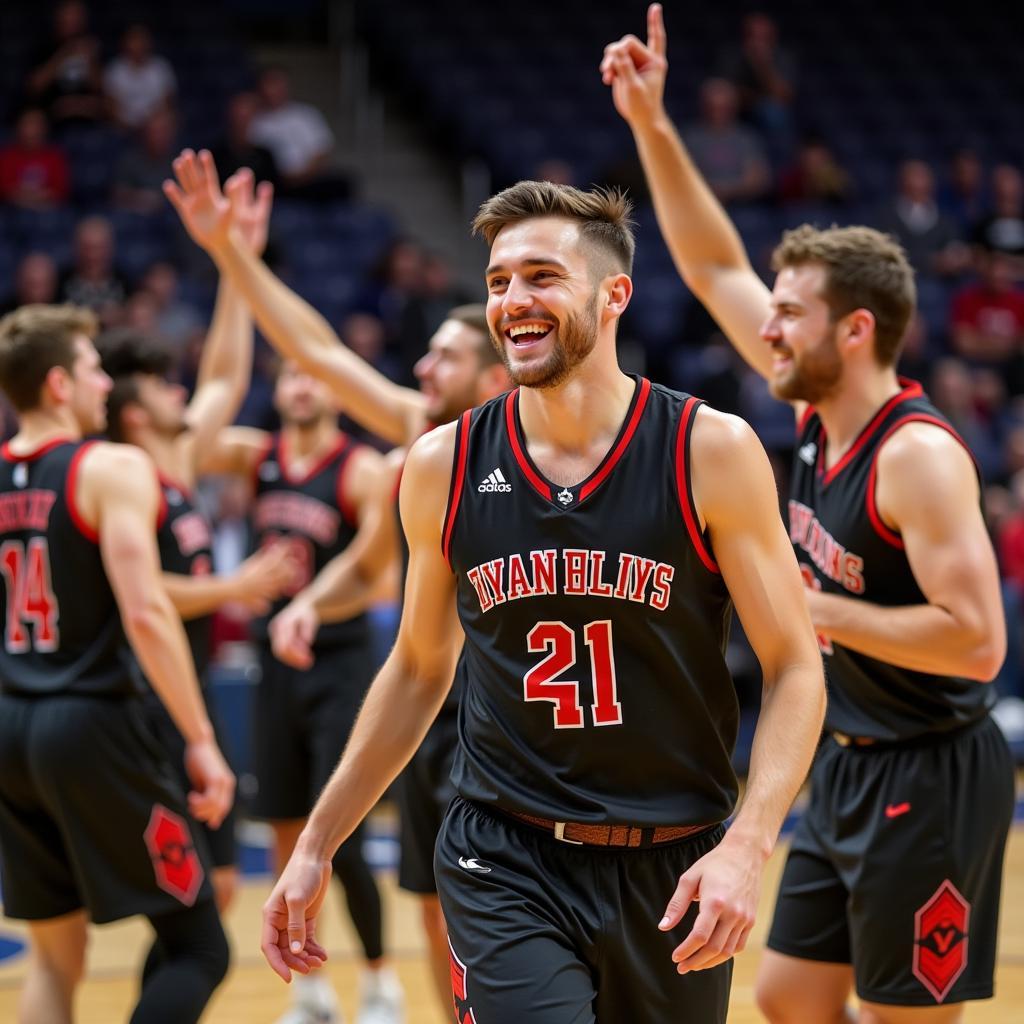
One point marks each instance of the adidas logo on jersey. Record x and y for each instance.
(494, 481)
(808, 453)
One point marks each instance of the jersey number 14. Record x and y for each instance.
(558, 641)
(30, 597)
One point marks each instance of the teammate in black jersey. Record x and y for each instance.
(147, 408)
(92, 826)
(892, 883)
(589, 529)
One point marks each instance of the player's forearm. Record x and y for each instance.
(300, 333)
(696, 229)
(921, 637)
(394, 719)
(194, 596)
(227, 354)
(158, 639)
(787, 733)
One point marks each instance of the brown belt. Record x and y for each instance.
(610, 835)
(852, 741)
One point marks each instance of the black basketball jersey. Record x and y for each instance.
(309, 513)
(844, 547)
(183, 536)
(62, 629)
(596, 688)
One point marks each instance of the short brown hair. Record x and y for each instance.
(474, 316)
(33, 340)
(602, 213)
(127, 354)
(864, 269)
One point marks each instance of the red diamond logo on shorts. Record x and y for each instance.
(175, 860)
(940, 940)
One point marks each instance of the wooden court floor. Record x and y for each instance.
(252, 995)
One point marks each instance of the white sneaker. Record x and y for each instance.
(381, 999)
(315, 1003)
(310, 1015)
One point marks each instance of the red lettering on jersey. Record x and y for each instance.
(597, 586)
(26, 510)
(625, 575)
(543, 566)
(662, 590)
(518, 581)
(192, 533)
(290, 510)
(486, 604)
(831, 558)
(494, 572)
(853, 573)
(575, 571)
(641, 577)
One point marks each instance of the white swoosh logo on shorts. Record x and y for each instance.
(472, 864)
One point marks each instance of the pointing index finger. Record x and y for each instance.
(656, 30)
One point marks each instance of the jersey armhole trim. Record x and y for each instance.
(458, 480)
(805, 418)
(888, 535)
(269, 445)
(348, 511)
(71, 494)
(685, 492)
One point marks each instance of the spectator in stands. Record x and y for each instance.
(93, 281)
(143, 168)
(33, 171)
(176, 321)
(988, 320)
(35, 281)
(764, 74)
(815, 176)
(1003, 230)
(965, 196)
(138, 82)
(952, 391)
(298, 137)
(728, 154)
(235, 149)
(66, 78)
(930, 238)
(439, 291)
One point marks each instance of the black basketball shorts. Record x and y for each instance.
(91, 814)
(896, 866)
(424, 792)
(551, 933)
(302, 721)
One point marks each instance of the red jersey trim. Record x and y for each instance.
(168, 481)
(595, 481)
(883, 531)
(801, 424)
(690, 516)
(458, 479)
(910, 390)
(529, 472)
(36, 453)
(347, 509)
(71, 494)
(297, 480)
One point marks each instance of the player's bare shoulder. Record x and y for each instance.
(426, 480)
(110, 472)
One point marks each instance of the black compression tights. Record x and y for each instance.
(186, 962)
(361, 894)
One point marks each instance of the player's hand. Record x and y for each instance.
(213, 780)
(196, 195)
(250, 209)
(292, 632)
(727, 882)
(263, 577)
(636, 72)
(288, 932)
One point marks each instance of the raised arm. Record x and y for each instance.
(348, 583)
(119, 497)
(235, 450)
(704, 243)
(927, 500)
(734, 491)
(403, 701)
(290, 324)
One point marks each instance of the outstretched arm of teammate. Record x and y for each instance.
(225, 368)
(403, 701)
(234, 450)
(734, 491)
(927, 500)
(291, 324)
(704, 243)
(346, 585)
(118, 496)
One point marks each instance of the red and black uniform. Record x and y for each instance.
(915, 776)
(303, 718)
(185, 543)
(596, 698)
(90, 815)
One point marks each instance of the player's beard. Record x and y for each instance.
(575, 338)
(812, 376)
